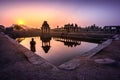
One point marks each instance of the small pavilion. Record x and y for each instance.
(45, 27)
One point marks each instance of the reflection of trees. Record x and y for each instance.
(69, 42)
(19, 39)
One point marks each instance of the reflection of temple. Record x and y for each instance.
(45, 42)
(69, 42)
(45, 36)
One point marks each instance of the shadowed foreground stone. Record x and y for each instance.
(97, 49)
(73, 64)
(105, 61)
(32, 57)
(70, 65)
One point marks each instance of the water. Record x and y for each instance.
(58, 50)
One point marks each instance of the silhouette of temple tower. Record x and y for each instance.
(45, 27)
(45, 36)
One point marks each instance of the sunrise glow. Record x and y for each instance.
(21, 22)
(33, 13)
(59, 39)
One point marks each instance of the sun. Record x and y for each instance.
(21, 22)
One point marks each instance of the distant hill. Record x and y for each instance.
(20, 27)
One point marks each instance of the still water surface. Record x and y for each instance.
(58, 50)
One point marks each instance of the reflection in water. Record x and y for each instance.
(58, 53)
(32, 45)
(45, 38)
(57, 49)
(68, 42)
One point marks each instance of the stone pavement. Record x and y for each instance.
(16, 64)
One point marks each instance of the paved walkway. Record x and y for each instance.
(14, 65)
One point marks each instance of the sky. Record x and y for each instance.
(59, 12)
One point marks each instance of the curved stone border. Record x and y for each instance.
(95, 50)
(116, 37)
(106, 61)
(74, 63)
(70, 65)
(32, 57)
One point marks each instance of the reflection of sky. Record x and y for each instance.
(59, 12)
(59, 53)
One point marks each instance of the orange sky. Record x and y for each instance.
(33, 14)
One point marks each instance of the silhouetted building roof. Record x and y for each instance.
(109, 27)
(45, 25)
